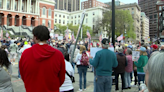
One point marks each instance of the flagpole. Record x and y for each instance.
(78, 34)
(81, 33)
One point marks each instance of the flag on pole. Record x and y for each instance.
(120, 38)
(88, 34)
(73, 37)
(100, 37)
(1, 34)
(67, 34)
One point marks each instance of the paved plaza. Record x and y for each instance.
(19, 85)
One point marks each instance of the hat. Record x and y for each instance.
(155, 46)
(105, 41)
(142, 49)
(120, 50)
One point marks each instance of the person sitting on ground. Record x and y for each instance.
(5, 73)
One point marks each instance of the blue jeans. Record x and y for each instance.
(103, 83)
(82, 73)
(141, 77)
(127, 79)
(94, 83)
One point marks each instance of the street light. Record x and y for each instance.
(113, 22)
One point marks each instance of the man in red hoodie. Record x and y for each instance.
(42, 67)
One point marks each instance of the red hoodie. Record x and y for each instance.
(42, 68)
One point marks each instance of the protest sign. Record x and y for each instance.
(94, 50)
(135, 55)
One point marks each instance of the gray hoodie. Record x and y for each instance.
(5, 80)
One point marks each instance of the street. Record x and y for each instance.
(18, 84)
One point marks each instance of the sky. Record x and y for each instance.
(123, 1)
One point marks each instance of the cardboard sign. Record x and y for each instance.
(135, 55)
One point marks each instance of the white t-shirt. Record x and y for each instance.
(67, 85)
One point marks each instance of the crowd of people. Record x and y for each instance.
(45, 66)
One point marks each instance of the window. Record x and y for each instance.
(93, 20)
(155, 16)
(59, 21)
(1, 3)
(63, 16)
(150, 16)
(79, 16)
(78, 21)
(71, 17)
(49, 23)
(44, 11)
(93, 13)
(160, 7)
(49, 12)
(86, 14)
(43, 22)
(63, 21)
(72, 22)
(55, 20)
(8, 4)
(59, 15)
(132, 8)
(67, 17)
(55, 15)
(86, 20)
(75, 22)
(75, 17)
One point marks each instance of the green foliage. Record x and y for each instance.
(61, 29)
(123, 20)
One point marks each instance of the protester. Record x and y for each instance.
(82, 66)
(120, 69)
(5, 73)
(142, 61)
(128, 68)
(67, 85)
(104, 61)
(44, 64)
(154, 73)
(13, 52)
(155, 49)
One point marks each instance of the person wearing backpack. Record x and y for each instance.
(82, 62)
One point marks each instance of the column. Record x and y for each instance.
(58, 4)
(67, 5)
(20, 21)
(13, 5)
(71, 5)
(63, 5)
(5, 4)
(36, 7)
(13, 20)
(20, 7)
(29, 6)
(5, 20)
(28, 21)
(75, 5)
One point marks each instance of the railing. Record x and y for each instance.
(25, 27)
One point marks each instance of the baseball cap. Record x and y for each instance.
(105, 41)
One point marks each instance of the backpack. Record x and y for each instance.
(84, 59)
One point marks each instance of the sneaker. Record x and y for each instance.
(80, 90)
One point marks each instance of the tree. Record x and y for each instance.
(123, 20)
(74, 29)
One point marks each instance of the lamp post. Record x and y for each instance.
(113, 22)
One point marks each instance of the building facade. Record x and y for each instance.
(160, 9)
(149, 7)
(69, 5)
(117, 3)
(135, 11)
(144, 28)
(92, 14)
(30, 13)
(92, 3)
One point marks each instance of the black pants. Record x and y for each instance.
(122, 78)
(135, 77)
(69, 90)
